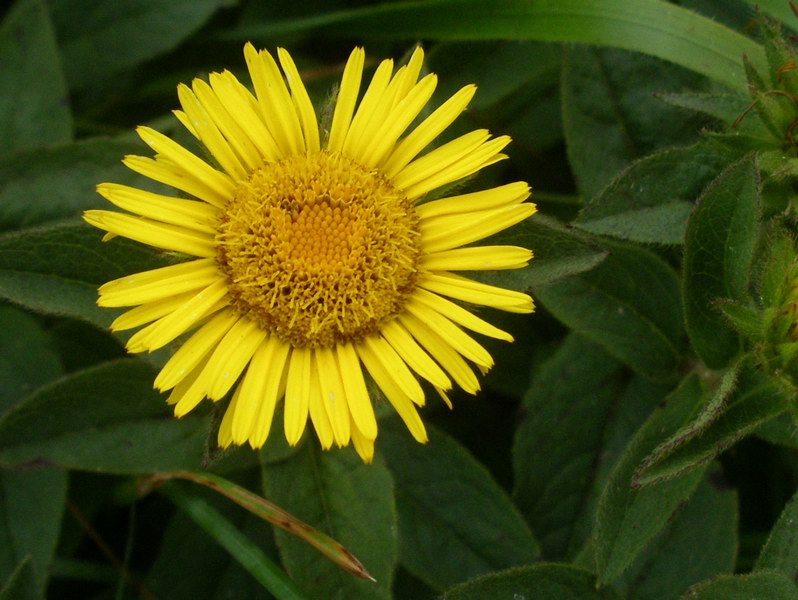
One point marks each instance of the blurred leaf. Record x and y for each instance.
(54, 183)
(681, 556)
(756, 401)
(34, 104)
(56, 270)
(629, 304)
(550, 581)
(559, 251)
(615, 23)
(780, 552)
(209, 574)
(240, 547)
(651, 199)
(107, 419)
(611, 116)
(778, 9)
(455, 522)
(559, 441)
(21, 584)
(764, 585)
(719, 246)
(31, 509)
(628, 519)
(699, 423)
(498, 68)
(350, 501)
(27, 356)
(114, 35)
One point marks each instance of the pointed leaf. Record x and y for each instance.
(719, 247)
(462, 526)
(756, 400)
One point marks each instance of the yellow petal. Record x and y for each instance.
(190, 214)
(474, 292)
(479, 258)
(414, 355)
(297, 393)
(347, 98)
(396, 396)
(302, 103)
(512, 193)
(153, 233)
(333, 395)
(357, 394)
(441, 351)
(423, 135)
(159, 284)
(195, 349)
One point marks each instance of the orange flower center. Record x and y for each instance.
(318, 249)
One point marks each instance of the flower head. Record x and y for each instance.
(311, 256)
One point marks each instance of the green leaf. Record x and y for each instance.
(719, 247)
(756, 400)
(115, 35)
(56, 270)
(462, 526)
(780, 552)
(106, 418)
(34, 104)
(764, 585)
(542, 582)
(706, 415)
(681, 556)
(21, 584)
(651, 200)
(652, 27)
(55, 183)
(27, 356)
(350, 501)
(237, 544)
(610, 116)
(559, 441)
(629, 304)
(559, 251)
(628, 519)
(31, 509)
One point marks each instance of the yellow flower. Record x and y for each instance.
(311, 256)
